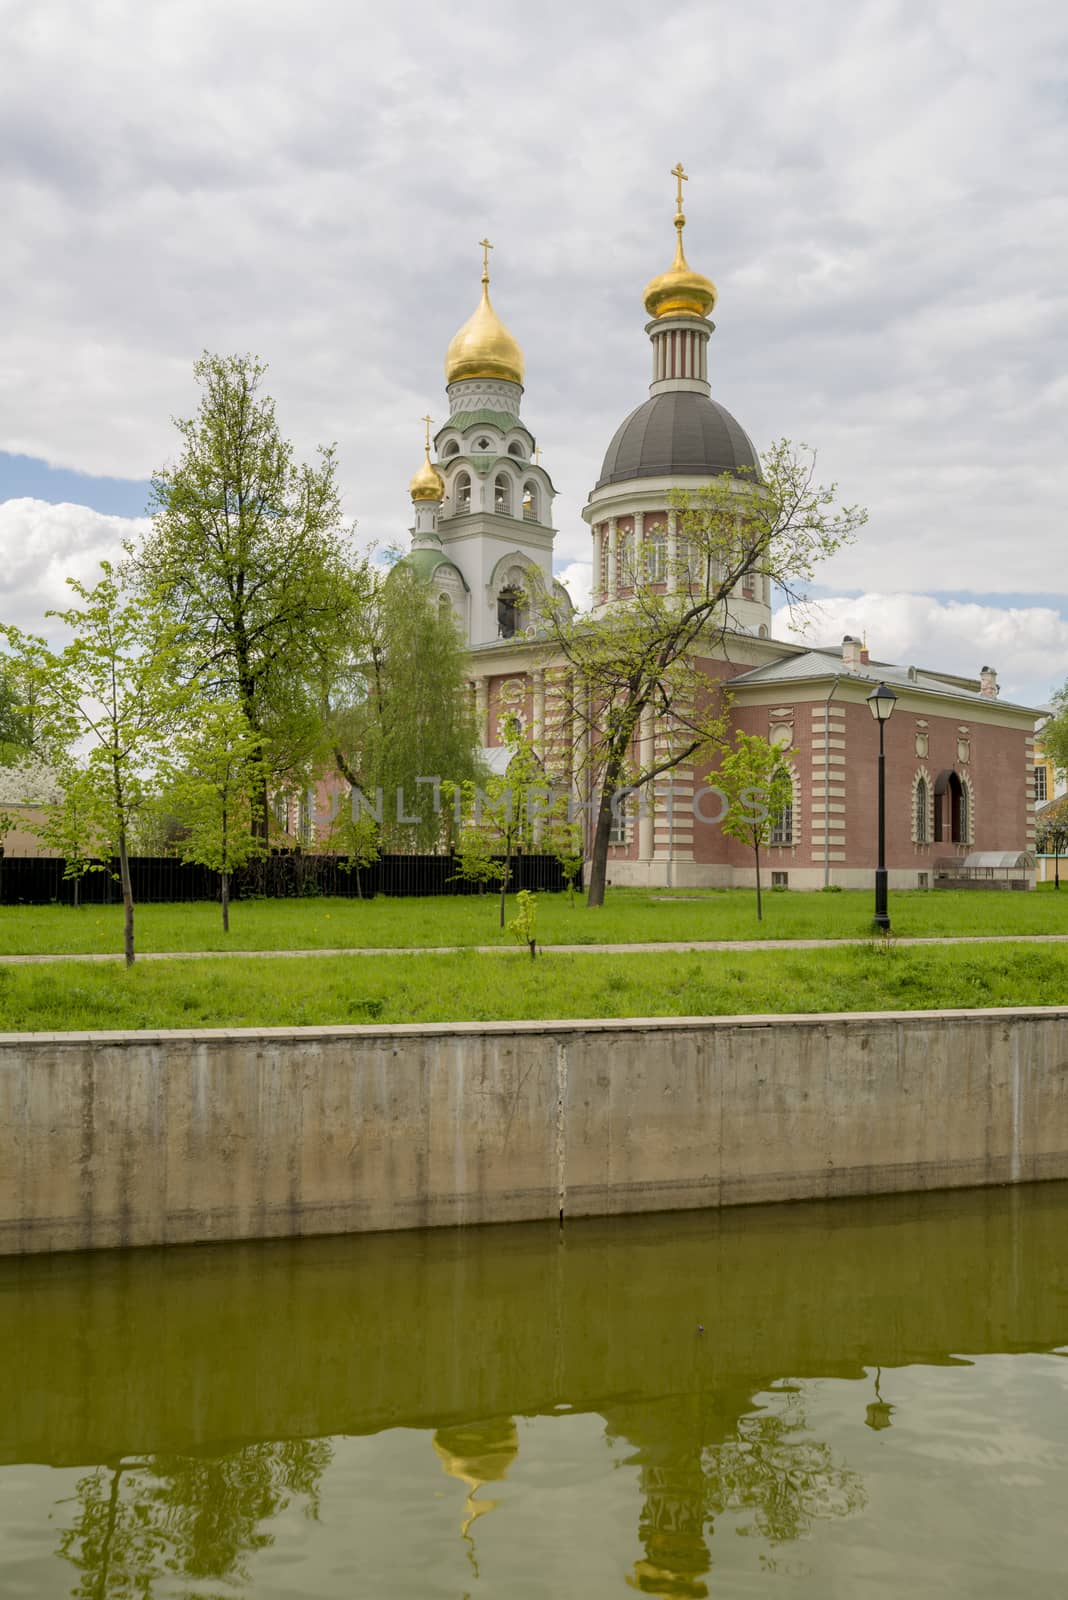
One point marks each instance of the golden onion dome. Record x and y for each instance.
(428, 484)
(484, 348)
(679, 292)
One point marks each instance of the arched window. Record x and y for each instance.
(950, 809)
(921, 811)
(782, 827)
(451, 449)
(530, 503)
(656, 554)
(502, 497)
(515, 449)
(509, 612)
(463, 494)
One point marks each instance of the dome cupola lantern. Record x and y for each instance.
(483, 348)
(427, 484)
(679, 292)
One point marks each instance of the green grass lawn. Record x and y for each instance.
(466, 986)
(629, 915)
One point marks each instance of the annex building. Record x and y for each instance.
(959, 758)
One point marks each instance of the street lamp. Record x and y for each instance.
(881, 703)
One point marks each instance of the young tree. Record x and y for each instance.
(756, 780)
(248, 548)
(355, 835)
(113, 689)
(67, 828)
(636, 665)
(1051, 834)
(215, 773)
(499, 819)
(398, 712)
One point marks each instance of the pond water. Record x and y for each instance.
(855, 1399)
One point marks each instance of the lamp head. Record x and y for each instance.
(881, 702)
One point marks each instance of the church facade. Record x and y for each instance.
(959, 758)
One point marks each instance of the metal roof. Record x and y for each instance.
(827, 663)
(680, 433)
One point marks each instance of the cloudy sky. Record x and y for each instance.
(878, 190)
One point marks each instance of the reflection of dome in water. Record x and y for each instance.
(666, 1585)
(476, 1453)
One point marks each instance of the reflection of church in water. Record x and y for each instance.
(695, 1463)
(959, 759)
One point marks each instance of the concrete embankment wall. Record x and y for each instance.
(155, 1138)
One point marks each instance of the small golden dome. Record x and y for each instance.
(484, 348)
(679, 292)
(428, 484)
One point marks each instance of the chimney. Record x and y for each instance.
(852, 653)
(988, 683)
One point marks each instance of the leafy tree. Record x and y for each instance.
(523, 925)
(248, 548)
(215, 774)
(563, 839)
(499, 819)
(113, 689)
(1054, 733)
(67, 828)
(756, 780)
(398, 710)
(638, 659)
(356, 836)
(1051, 833)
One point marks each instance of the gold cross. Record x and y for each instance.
(537, 454)
(486, 248)
(681, 177)
(428, 419)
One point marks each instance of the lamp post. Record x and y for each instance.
(881, 703)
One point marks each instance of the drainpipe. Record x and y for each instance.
(827, 783)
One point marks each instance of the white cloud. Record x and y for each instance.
(887, 229)
(578, 578)
(1026, 645)
(45, 544)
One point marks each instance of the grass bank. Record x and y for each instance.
(261, 992)
(629, 915)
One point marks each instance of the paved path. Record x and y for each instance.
(676, 946)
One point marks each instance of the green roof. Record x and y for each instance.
(493, 419)
(424, 563)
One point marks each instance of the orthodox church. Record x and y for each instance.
(959, 758)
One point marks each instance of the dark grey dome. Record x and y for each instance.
(681, 433)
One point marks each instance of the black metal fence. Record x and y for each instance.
(39, 880)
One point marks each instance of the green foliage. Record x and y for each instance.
(397, 710)
(1054, 733)
(1051, 827)
(215, 771)
(68, 828)
(476, 861)
(247, 545)
(115, 689)
(16, 722)
(355, 835)
(502, 817)
(523, 925)
(756, 779)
